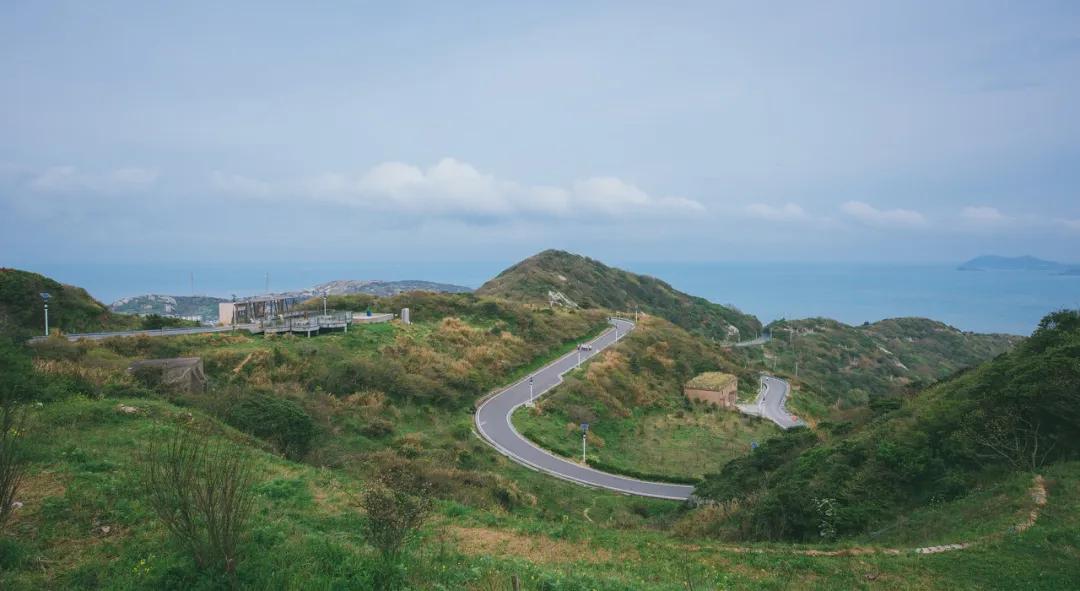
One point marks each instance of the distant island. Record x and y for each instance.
(1021, 263)
(205, 308)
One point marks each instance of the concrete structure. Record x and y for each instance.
(714, 387)
(179, 373)
(405, 316)
(369, 318)
(257, 308)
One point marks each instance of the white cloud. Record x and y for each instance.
(984, 216)
(869, 214)
(69, 178)
(241, 185)
(788, 212)
(454, 189)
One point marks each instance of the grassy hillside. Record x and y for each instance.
(842, 367)
(85, 524)
(640, 421)
(590, 283)
(71, 309)
(1017, 413)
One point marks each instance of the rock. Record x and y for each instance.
(127, 410)
(16, 505)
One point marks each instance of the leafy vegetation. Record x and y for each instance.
(841, 368)
(641, 423)
(590, 283)
(71, 309)
(325, 422)
(1015, 413)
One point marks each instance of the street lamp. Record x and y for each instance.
(584, 431)
(45, 299)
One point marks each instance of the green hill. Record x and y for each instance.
(71, 309)
(592, 284)
(842, 367)
(1014, 414)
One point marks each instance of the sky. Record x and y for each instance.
(473, 131)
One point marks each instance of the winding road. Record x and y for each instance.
(493, 423)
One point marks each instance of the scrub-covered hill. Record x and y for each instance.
(1015, 414)
(592, 284)
(71, 309)
(843, 367)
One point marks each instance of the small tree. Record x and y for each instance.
(397, 505)
(202, 492)
(12, 464)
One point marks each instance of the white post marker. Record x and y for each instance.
(530, 390)
(584, 431)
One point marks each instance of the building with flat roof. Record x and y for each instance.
(713, 387)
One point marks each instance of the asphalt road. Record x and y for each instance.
(493, 424)
(774, 393)
(96, 336)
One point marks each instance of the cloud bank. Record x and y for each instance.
(455, 189)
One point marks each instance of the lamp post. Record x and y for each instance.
(584, 431)
(45, 299)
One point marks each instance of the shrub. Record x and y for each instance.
(12, 464)
(397, 505)
(280, 421)
(202, 493)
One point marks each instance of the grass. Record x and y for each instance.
(684, 443)
(306, 529)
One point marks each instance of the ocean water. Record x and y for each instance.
(987, 301)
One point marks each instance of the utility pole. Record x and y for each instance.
(578, 356)
(268, 282)
(531, 391)
(324, 293)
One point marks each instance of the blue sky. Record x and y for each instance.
(854, 131)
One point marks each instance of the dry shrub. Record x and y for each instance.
(202, 493)
(12, 462)
(710, 520)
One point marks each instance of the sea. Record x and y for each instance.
(981, 301)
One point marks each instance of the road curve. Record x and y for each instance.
(494, 426)
(770, 403)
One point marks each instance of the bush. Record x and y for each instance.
(202, 493)
(12, 463)
(397, 505)
(280, 421)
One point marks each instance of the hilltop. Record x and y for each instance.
(206, 307)
(385, 288)
(591, 284)
(71, 309)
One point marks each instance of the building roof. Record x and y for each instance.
(711, 380)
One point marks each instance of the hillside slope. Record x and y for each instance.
(590, 283)
(71, 309)
(1016, 413)
(842, 366)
